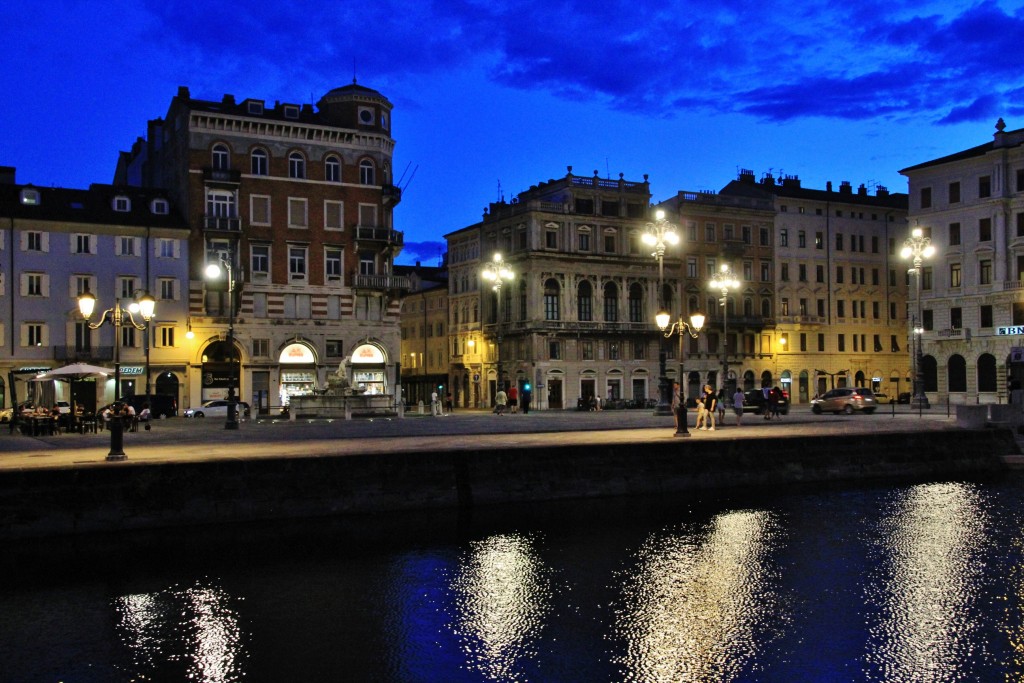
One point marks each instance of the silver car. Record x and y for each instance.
(217, 408)
(846, 400)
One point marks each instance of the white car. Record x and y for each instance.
(217, 408)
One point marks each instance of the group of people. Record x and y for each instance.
(436, 409)
(710, 404)
(511, 401)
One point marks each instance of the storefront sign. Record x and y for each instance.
(1016, 329)
(368, 354)
(296, 353)
(132, 370)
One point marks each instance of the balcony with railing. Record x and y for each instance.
(222, 175)
(222, 223)
(392, 194)
(382, 282)
(378, 234)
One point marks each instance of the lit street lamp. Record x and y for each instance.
(117, 317)
(917, 247)
(213, 272)
(661, 234)
(723, 281)
(497, 272)
(680, 327)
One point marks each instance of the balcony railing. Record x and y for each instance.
(93, 353)
(222, 175)
(382, 282)
(954, 333)
(392, 194)
(377, 234)
(222, 223)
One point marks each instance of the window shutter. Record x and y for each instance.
(46, 284)
(46, 242)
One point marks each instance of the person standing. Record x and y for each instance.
(527, 397)
(500, 400)
(737, 405)
(513, 399)
(710, 408)
(449, 405)
(699, 424)
(720, 400)
(777, 398)
(435, 404)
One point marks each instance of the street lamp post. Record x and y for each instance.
(117, 317)
(681, 328)
(213, 272)
(723, 281)
(917, 247)
(497, 272)
(661, 234)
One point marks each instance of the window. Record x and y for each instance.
(297, 213)
(819, 240)
(296, 263)
(335, 348)
(984, 186)
(33, 284)
(748, 271)
(586, 350)
(332, 264)
(554, 349)
(611, 303)
(160, 207)
(841, 340)
(639, 350)
(33, 334)
(954, 193)
(819, 273)
(956, 317)
(259, 163)
(985, 230)
(368, 215)
(33, 241)
(220, 204)
(30, 197)
(691, 268)
(821, 342)
(296, 165)
(366, 172)
(551, 239)
(709, 232)
(122, 204)
(986, 315)
(636, 303)
(259, 209)
(954, 274)
(551, 309)
(802, 272)
(784, 272)
(166, 288)
(613, 350)
(80, 285)
(165, 336)
(126, 246)
(839, 241)
(584, 206)
(126, 287)
(221, 157)
(609, 241)
(368, 265)
(259, 259)
(332, 169)
(840, 309)
(585, 301)
(926, 277)
(784, 237)
(765, 237)
(926, 197)
(728, 230)
(333, 212)
(839, 275)
(801, 239)
(128, 337)
(766, 272)
(584, 240)
(954, 234)
(1020, 225)
(985, 272)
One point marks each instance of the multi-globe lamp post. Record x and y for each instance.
(682, 328)
(917, 247)
(117, 317)
(723, 281)
(496, 271)
(661, 234)
(213, 272)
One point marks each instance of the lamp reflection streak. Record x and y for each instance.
(697, 609)
(195, 626)
(502, 598)
(929, 579)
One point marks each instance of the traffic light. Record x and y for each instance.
(526, 387)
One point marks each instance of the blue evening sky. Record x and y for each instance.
(493, 96)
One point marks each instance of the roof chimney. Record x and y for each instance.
(828, 186)
(862, 190)
(845, 187)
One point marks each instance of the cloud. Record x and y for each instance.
(428, 252)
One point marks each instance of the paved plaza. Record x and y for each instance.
(181, 439)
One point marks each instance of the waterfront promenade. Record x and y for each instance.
(190, 440)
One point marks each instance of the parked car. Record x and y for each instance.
(757, 402)
(881, 398)
(217, 408)
(846, 400)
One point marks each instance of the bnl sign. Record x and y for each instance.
(1013, 330)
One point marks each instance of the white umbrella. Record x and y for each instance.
(73, 372)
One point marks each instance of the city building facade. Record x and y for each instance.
(425, 341)
(118, 243)
(839, 288)
(297, 203)
(971, 206)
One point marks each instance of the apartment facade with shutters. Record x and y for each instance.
(116, 242)
(971, 205)
(299, 201)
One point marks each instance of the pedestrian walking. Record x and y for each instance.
(500, 401)
(710, 408)
(435, 404)
(513, 399)
(720, 401)
(777, 398)
(737, 405)
(527, 397)
(699, 424)
(449, 405)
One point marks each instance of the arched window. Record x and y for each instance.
(259, 162)
(611, 303)
(859, 379)
(766, 308)
(766, 378)
(987, 373)
(366, 172)
(585, 301)
(748, 307)
(748, 380)
(957, 371)
(332, 169)
(636, 303)
(221, 157)
(691, 305)
(296, 165)
(551, 292)
(522, 299)
(666, 297)
(930, 371)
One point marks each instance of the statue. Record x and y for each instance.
(339, 382)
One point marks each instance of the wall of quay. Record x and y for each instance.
(126, 496)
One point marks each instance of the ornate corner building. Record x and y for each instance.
(298, 202)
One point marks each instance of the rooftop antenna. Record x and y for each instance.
(399, 183)
(410, 177)
(501, 195)
(607, 172)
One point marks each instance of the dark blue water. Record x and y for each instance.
(904, 583)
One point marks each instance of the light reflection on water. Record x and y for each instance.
(695, 606)
(904, 584)
(930, 571)
(195, 626)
